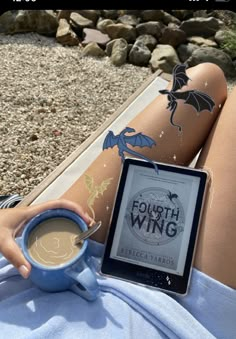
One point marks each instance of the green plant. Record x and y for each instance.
(229, 43)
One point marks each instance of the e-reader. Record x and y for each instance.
(154, 225)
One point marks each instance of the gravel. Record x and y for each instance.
(51, 100)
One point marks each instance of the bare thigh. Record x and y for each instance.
(216, 250)
(171, 146)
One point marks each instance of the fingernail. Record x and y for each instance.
(24, 271)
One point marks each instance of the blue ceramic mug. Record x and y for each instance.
(74, 274)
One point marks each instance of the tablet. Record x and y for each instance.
(154, 225)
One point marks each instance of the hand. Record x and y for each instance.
(12, 221)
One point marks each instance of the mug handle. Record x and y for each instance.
(86, 284)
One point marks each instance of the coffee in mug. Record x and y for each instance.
(57, 263)
(51, 243)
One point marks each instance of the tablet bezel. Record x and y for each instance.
(146, 276)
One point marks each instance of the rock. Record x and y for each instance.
(164, 57)
(228, 17)
(90, 14)
(3, 130)
(214, 55)
(64, 14)
(139, 54)
(57, 132)
(182, 14)
(220, 36)
(131, 20)
(92, 49)
(136, 12)
(148, 40)
(41, 21)
(94, 35)
(65, 35)
(78, 23)
(152, 15)
(168, 18)
(226, 40)
(110, 14)
(119, 50)
(33, 137)
(185, 51)
(152, 27)
(129, 48)
(173, 36)
(131, 34)
(126, 32)
(102, 24)
(204, 27)
(202, 13)
(198, 40)
(109, 46)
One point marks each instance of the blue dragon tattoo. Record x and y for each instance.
(121, 140)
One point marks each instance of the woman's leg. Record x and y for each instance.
(216, 251)
(95, 189)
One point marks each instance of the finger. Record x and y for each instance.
(60, 203)
(14, 255)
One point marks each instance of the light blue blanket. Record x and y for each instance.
(123, 310)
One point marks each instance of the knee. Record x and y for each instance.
(214, 69)
(209, 69)
(211, 74)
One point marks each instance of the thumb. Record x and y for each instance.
(60, 203)
(14, 255)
